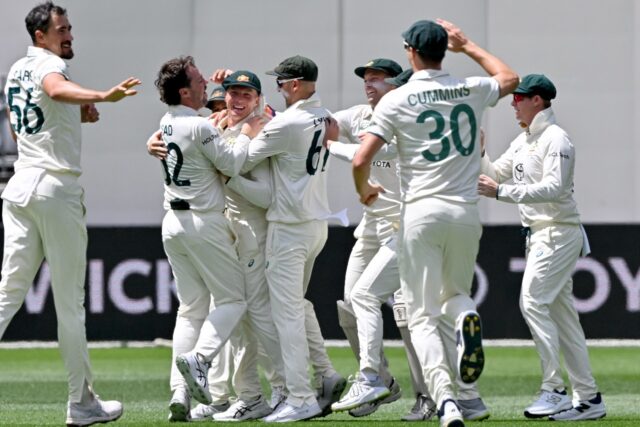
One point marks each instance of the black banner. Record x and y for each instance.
(130, 293)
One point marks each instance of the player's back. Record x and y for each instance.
(436, 121)
(190, 175)
(299, 166)
(48, 131)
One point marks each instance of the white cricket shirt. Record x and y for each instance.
(196, 152)
(435, 119)
(540, 161)
(248, 195)
(48, 131)
(299, 162)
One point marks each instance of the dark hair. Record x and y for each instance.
(39, 18)
(172, 77)
(429, 57)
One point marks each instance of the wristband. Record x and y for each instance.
(497, 191)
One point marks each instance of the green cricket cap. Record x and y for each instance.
(217, 94)
(296, 67)
(400, 79)
(243, 78)
(427, 37)
(536, 84)
(382, 64)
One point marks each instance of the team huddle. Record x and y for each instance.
(245, 195)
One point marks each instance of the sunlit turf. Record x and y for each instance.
(33, 386)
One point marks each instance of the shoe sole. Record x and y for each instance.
(471, 358)
(178, 412)
(599, 417)
(86, 423)
(392, 397)
(197, 392)
(338, 388)
(308, 417)
(534, 415)
(372, 400)
(481, 417)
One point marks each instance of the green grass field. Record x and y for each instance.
(33, 386)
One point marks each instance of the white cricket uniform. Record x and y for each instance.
(372, 271)
(435, 120)
(540, 162)
(197, 237)
(43, 212)
(247, 197)
(296, 233)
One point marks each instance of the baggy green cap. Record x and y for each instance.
(382, 64)
(536, 84)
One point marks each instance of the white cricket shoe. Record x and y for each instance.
(450, 415)
(245, 410)
(473, 409)
(370, 408)
(204, 412)
(593, 409)
(548, 403)
(330, 390)
(469, 344)
(288, 413)
(361, 392)
(96, 411)
(180, 405)
(278, 396)
(194, 369)
(423, 410)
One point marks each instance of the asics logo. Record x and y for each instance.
(553, 399)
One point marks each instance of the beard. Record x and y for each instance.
(66, 53)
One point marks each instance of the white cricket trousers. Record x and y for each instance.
(55, 229)
(257, 326)
(291, 253)
(378, 280)
(546, 302)
(200, 248)
(437, 250)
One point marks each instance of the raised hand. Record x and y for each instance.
(457, 39)
(220, 74)
(122, 90)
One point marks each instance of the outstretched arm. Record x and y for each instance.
(60, 89)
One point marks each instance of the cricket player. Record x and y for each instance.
(540, 164)
(43, 211)
(297, 228)
(247, 198)
(434, 121)
(216, 101)
(197, 237)
(372, 275)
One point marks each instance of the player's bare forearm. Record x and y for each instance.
(62, 90)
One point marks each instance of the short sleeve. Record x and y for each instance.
(52, 64)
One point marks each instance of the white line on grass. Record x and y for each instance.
(160, 342)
